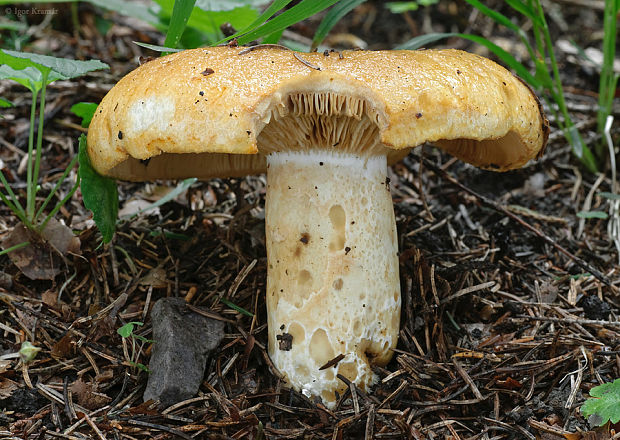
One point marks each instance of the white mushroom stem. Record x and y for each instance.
(333, 289)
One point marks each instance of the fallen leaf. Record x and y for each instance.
(7, 387)
(63, 348)
(87, 395)
(42, 258)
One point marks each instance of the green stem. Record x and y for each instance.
(20, 214)
(569, 129)
(59, 205)
(51, 194)
(12, 196)
(37, 161)
(29, 177)
(607, 82)
(536, 29)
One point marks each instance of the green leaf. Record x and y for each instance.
(266, 15)
(5, 103)
(181, 11)
(237, 308)
(64, 68)
(592, 214)
(127, 330)
(297, 13)
(400, 7)
(29, 77)
(142, 339)
(140, 366)
(99, 193)
(84, 110)
(332, 18)
(208, 22)
(605, 402)
(28, 352)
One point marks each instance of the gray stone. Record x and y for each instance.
(183, 341)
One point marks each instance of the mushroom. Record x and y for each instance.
(324, 127)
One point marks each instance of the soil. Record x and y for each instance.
(510, 301)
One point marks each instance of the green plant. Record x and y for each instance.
(609, 79)
(400, 7)
(604, 403)
(35, 72)
(27, 353)
(546, 78)
(99, 193)
(332, 18)
(127, 332)
(85, 111)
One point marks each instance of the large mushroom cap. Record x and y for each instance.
(200, 113)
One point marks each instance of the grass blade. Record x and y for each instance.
(266, 15)
(236, 307)
(273, 38)
(332, 18)
(13, 208)
(297, 13)
(496, 16)
(17, 207)
(608, 80)
(524, 10)
(53, 191)
(592, 214)
(60, 204)
(14, 248)
(181, 11)
(157, 48)
(423, 40)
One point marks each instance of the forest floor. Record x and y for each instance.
(510, 301)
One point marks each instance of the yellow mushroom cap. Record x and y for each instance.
(200, 113)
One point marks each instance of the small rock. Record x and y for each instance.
(594, 308)
(183, 341)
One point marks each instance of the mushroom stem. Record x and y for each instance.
(333, 289)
